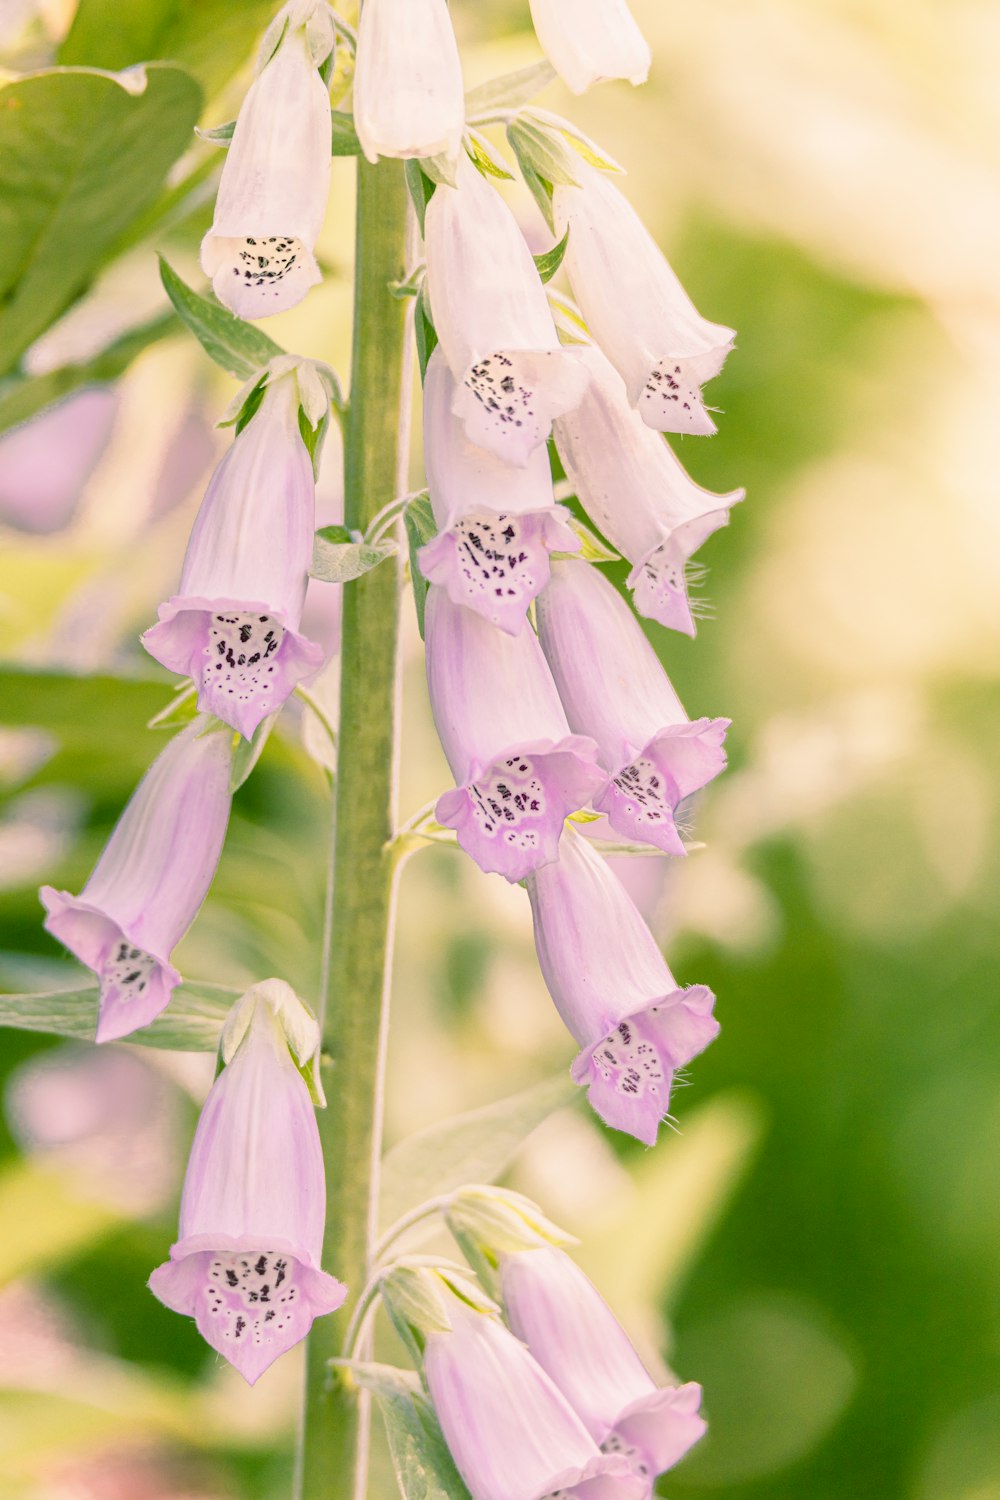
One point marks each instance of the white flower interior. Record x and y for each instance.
(254, 1295)
(241, 655)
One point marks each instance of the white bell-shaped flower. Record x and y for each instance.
(635, 307)
(408, 95)
(272, 195)
(493, 321)
(590, 41)
(636, 491)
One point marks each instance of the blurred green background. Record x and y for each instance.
(818, 1243)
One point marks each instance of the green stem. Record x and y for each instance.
(333, 1451)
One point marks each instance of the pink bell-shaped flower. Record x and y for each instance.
(498, 524)
(408, 96)
(520, 771)
(613, 989)
(614, 689)
(150, 880)
(589, 41)
(272, 195)
(233, 625)
(247, 1264)
(580, 1344)
(492, 318)
(635, 307)
(637, 492)
(511, 1434)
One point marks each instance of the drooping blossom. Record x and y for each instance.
(492, 318)
(612, 987)
(276, 177)
(589, 41)
(519, 770)
(408, 95)
(580, 1344)
(635, 307)
(614, 689)
(638, 493)
(233, 625)
(498, 524)
(246, 1266)
(511, 1434)
(150, 880)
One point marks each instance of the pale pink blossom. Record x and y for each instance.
(408, 95)
(589, 41)
(150, 880)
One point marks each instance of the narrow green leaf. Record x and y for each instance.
(192, 1021)
(440, 170)
(542, 150)
(549, 261)
(592, 549)
(582, 144)
(82, 156)
(476, 1147)
(216, 135)
(420, 525)
(420, 188)
(237, 346)
(247, 753)
(486, 158)
(509, 90)
(425, 1470)
(339, 558)
(24, 397)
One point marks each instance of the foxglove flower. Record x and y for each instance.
(492, 317)
(588, 41)
(636, 308)
(272, 195)
(498, 523)
(511, 1434)
(579, 1343)
(233, 625)
(614, 689)
(612, 987)
(408, 95)
(150, 880)
(247, 1264)
(638, 494)
(519, 770)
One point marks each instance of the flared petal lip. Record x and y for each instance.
(58, 902)
(573, 744)
(696, 996)
(179, 604)
(692, 532)
(664, 1400)
(629, 1484)
(706, 357)
(240, 1244)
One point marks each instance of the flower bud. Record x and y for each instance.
(408, 96)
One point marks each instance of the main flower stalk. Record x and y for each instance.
(333, 1452)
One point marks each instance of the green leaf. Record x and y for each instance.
(592, 548)
(549, 261)
(338, 557)
(440, 170)
(22, 398)
(237, 346)
(216, 135)
(192, 1021)
(542, 151)
(210, 38)
(476, 1147)
(344, 141)
(486, 158)
(509, 90)
(420, 187)
(423, 329)
(425, 1470)
(582, 144)
(421, 527)
(248, 752)
(82, 155)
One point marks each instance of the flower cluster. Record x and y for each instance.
(541, 1393)
(548, 697)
